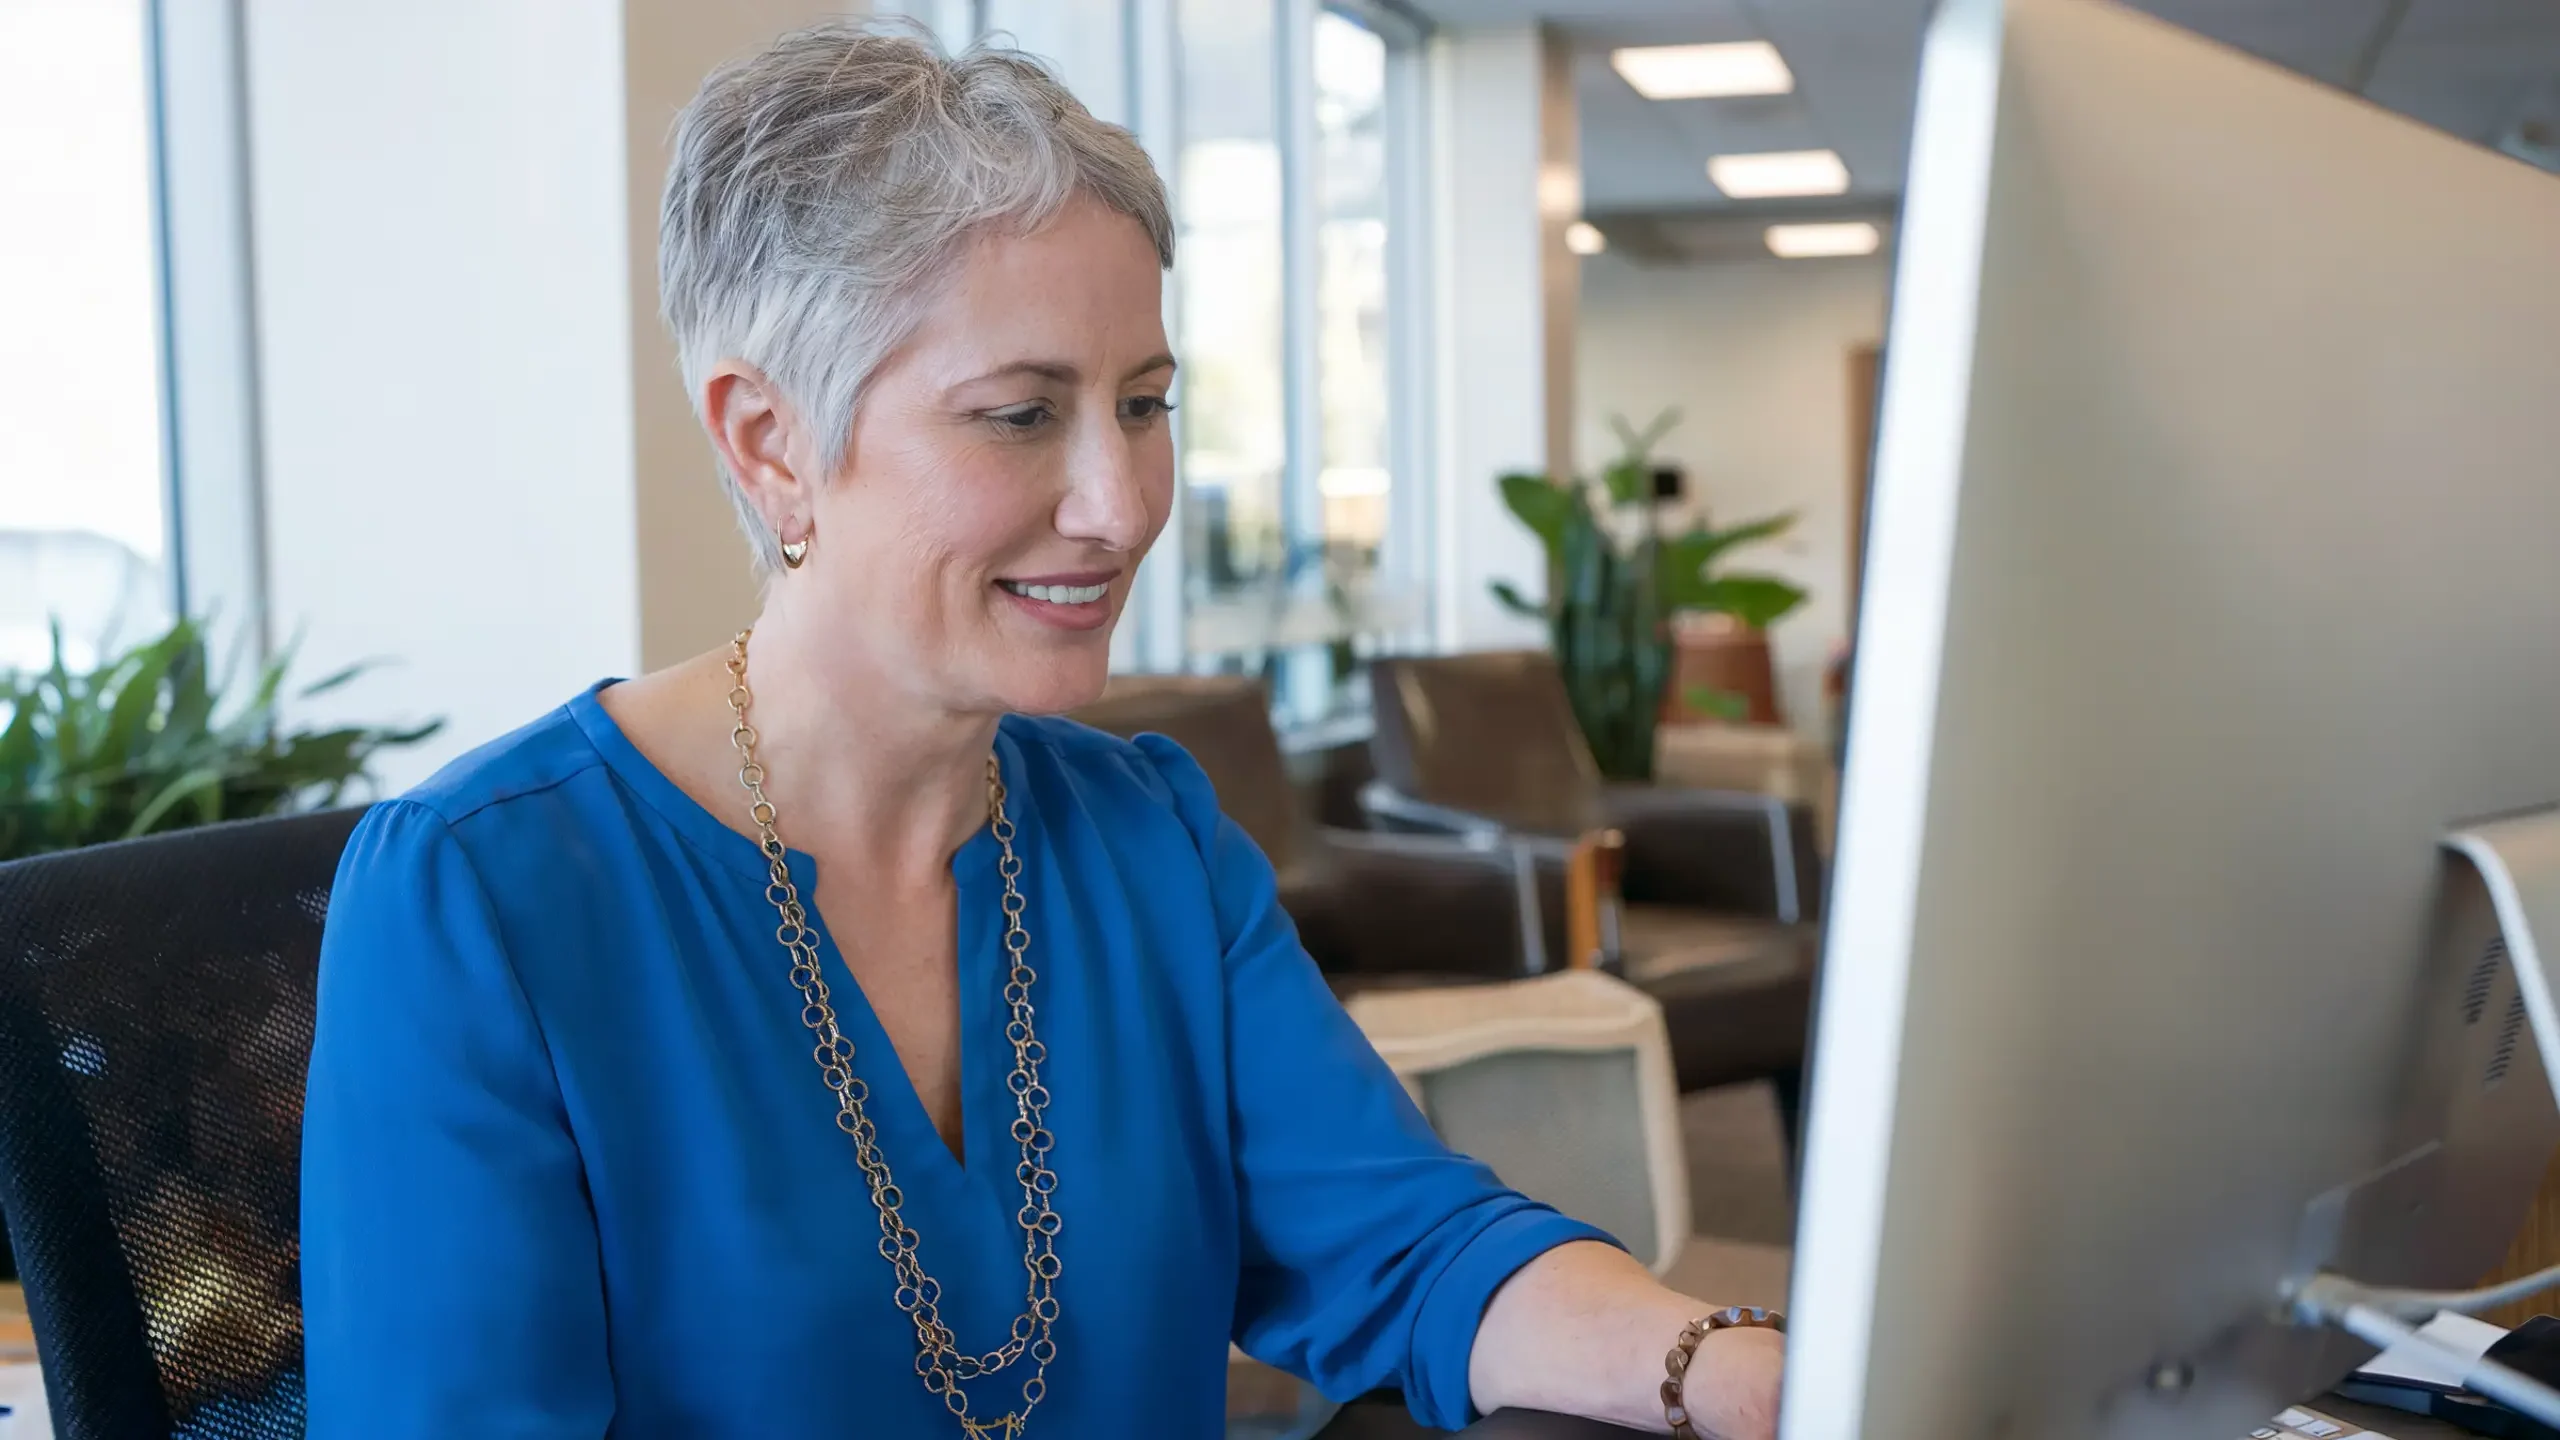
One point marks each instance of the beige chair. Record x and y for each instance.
(1563, 1084)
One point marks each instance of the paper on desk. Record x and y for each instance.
(2407, 1363)
(2300, 1424)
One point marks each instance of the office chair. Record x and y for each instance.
(1374, 910)
(156, 1006)
(1721, 891)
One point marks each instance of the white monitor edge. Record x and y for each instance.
(1901, 629)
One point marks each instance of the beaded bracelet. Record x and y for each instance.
(1675, 1391)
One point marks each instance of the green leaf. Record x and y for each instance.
(1544, 506)
(190, 786)
(1517, 603)
(190, 708)
(340, 679)
(127, 731)
(1717, 542)
(1756, 600)
(1722, 704)
(1637, 445)
(1630, 481)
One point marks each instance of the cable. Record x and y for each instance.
(2420, 1304)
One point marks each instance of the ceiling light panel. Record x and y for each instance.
(1779, 173)
(1704, 72)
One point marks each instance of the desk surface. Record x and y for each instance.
(1383, 1422)
(2399, 1425)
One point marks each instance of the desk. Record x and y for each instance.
(1386, 1422)
(2397, 1424)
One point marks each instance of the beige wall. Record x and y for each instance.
(696, 586)
(1756, 355)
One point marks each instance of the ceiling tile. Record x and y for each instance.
(2470, 65)
(2464, 65)
(2319, 38)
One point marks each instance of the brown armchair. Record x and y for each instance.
(1721, 891)
(1372, 909)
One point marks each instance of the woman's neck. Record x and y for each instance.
(859, 768)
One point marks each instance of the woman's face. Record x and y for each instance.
(1009, 467)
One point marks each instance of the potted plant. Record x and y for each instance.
(1614, 582)
(143, 742)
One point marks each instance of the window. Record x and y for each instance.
(83, 518)
(1354, 475)
(1290, 134)
(1296, 333)
(1235, 436)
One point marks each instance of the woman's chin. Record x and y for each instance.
(1054, 684)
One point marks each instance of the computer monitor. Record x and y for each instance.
(2213, 580)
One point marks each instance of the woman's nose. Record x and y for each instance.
(1105, 502)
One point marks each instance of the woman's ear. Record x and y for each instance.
(754, 431)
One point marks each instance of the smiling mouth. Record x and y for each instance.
(1057, 594)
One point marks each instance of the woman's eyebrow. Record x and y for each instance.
(1066, 373)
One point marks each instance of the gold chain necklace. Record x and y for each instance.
(938, 1358)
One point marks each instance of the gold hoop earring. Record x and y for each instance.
(795, 553)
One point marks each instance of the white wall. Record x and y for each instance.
(1502, 275)
(478, 462)
(1756, 356)
(442, 300)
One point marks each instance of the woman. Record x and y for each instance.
(802, 1040)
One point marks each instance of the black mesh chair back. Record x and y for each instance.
(155, 1025)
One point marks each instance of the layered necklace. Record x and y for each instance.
(939, 1360)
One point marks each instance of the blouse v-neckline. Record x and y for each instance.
(908, 1133)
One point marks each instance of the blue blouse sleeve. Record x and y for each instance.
(451, 1283)
(1370, 1250)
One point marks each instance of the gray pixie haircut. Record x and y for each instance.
(821, 190)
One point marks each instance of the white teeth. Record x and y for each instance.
(1060, 594)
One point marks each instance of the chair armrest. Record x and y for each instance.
(1725, 850)
(1410, 904)
(1391, 810)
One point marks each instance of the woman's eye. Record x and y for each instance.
(1145, 407)
(1022, 420)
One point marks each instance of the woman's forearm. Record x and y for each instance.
(1583, 1330)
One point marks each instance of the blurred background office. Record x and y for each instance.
(266, 256)
(301, 299)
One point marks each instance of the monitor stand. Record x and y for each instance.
(2473, 1148)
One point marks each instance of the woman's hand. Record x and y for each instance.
(1583, 1329)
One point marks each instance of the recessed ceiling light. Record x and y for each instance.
(1704, 72)
(1584, 238)
(1779, 173)
(1807, 242)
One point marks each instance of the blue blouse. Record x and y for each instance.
(570, 1170)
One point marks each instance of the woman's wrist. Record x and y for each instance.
(1727, 1384)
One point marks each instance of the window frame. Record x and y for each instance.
(1405, 568)
(212, 450)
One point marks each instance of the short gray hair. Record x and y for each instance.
(821, 190)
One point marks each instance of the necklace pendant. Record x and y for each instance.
(1004, 1427)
